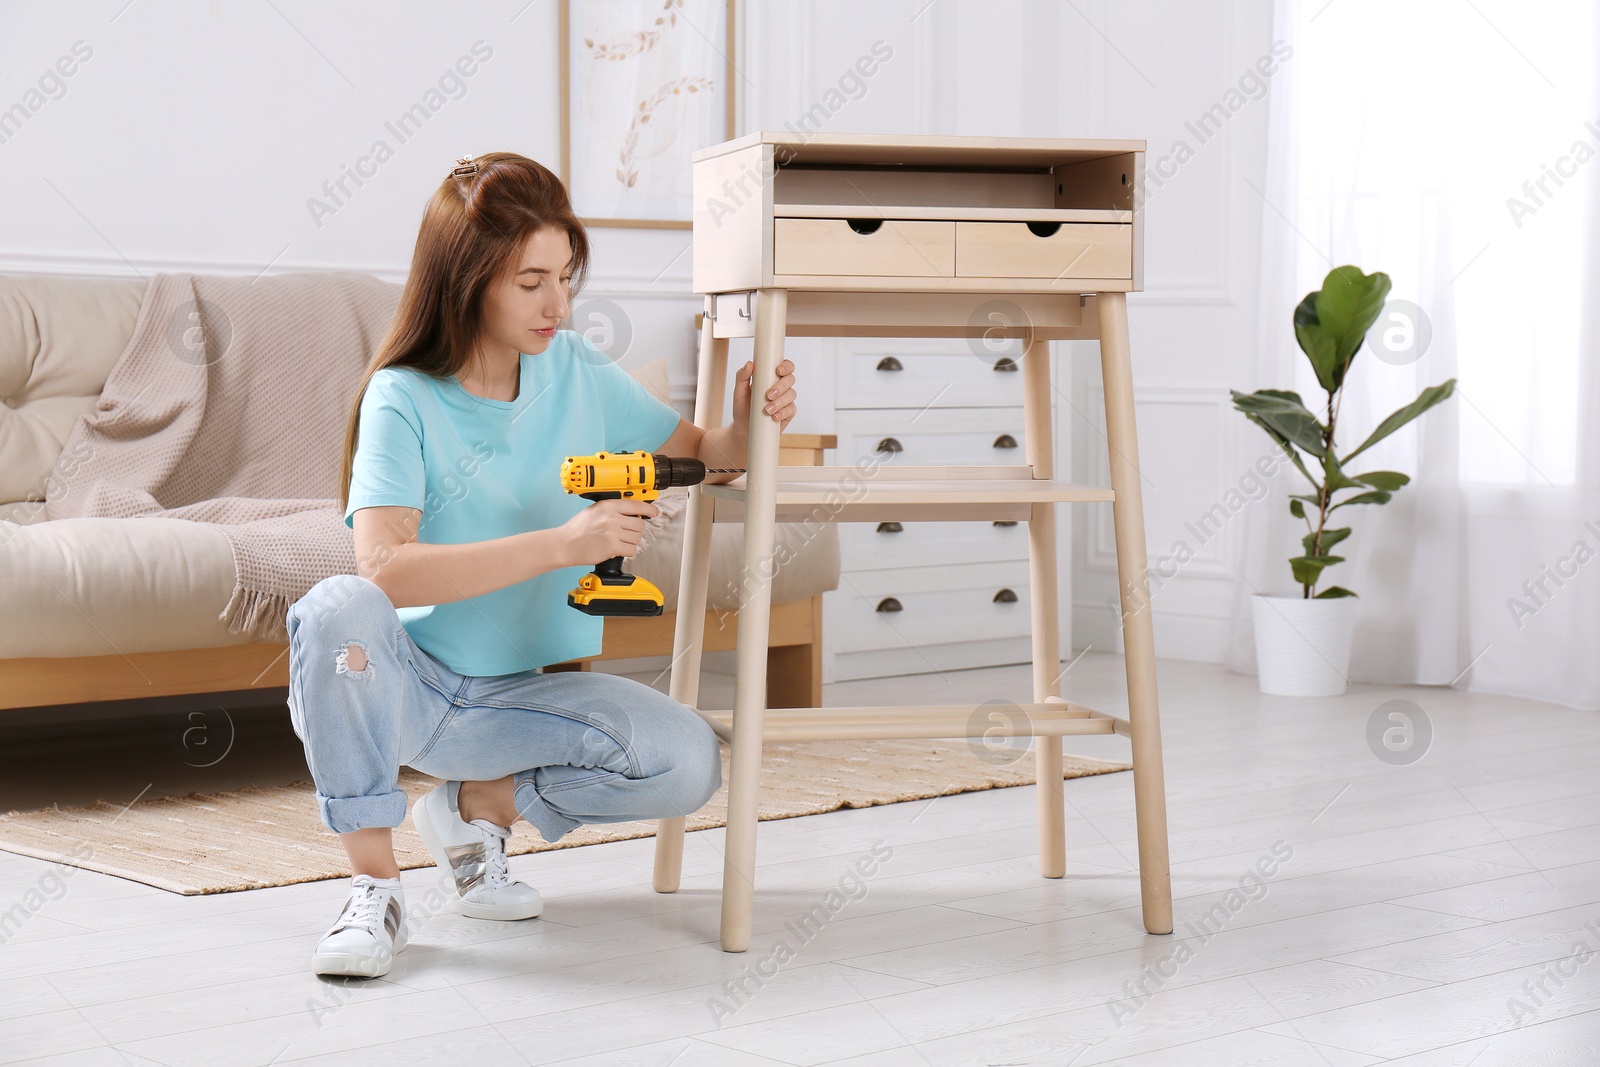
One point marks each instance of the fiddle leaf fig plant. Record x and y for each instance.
(1330, 325)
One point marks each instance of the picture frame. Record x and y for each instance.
(644, 84)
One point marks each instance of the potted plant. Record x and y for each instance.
(1303, 642)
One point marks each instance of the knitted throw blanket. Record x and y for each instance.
(228, 407)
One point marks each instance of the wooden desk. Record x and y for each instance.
(918, 236)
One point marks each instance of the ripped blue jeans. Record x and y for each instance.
(583, 747)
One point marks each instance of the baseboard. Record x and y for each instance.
(1179, 635)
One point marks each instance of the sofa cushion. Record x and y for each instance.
(99, 587)
(59, 337)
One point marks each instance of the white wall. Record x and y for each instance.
(1193, 328)
(195, 133)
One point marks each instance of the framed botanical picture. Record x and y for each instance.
(644, 85)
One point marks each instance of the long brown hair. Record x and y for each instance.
(472, 229)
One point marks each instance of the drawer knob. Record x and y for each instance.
(1005, 596)
(1005, 440)
(865, 226)
(1005, 363)
(888, 603)
(1043, 229)
(889, 444)
(889, 363)
(890, 527)
(1005, 522)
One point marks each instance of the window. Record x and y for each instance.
(1454, 145)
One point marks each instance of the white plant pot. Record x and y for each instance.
(1303, 646)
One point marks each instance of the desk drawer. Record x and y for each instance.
(892, 248)
(1072, 250)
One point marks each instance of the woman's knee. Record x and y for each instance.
(342, 608)
(671, 742)
(658, 738)
(696, 761)
(343, 631)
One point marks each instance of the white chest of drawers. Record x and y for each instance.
(922, 596)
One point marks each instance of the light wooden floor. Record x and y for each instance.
(1446, 912)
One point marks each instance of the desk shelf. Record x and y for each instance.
(856, 494)
(910, 721)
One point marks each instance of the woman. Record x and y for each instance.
(430, 656)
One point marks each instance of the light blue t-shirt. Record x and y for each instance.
(479, 469)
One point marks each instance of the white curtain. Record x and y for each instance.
(1456, 147)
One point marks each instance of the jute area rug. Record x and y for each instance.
(250, 839)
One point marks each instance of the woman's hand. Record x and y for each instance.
(778, 402)
(606, 528)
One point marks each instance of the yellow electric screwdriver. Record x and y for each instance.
(640, 475)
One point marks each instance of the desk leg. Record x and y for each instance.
(1138, 638)
(1044, 589)
(755, 617)
(689, 631)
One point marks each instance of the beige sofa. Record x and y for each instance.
(96, 609)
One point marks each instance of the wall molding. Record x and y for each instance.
(1217, 291)
(682, 387)
(1100, 553)
(1186, 635)
(935, 59)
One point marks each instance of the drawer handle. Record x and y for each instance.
(864, 226)
(1004, 596)
(1043, 229)
(890, 527)
(889, 363)
(1005, 440)
(889, 444)
(1005, 522)
(1005, 363)
(888, 603)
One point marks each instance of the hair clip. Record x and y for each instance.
(467, 166)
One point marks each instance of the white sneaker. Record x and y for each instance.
(368, 932)
(475, 855)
